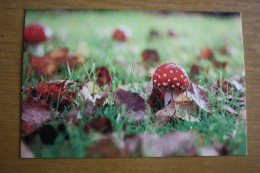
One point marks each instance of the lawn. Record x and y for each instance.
(75, 130)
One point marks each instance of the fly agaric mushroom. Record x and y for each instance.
(34, 35)
(172, 79)
(121, 33)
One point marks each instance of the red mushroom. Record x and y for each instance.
(172, 79)
(35, 34)
(121, 33)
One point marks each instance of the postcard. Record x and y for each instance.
(132, 83)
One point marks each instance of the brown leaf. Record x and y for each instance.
(42, 65)
(199, 95)
(133, 102)
(52, 60)
(164, 115)
(75, 60)
(185, 108)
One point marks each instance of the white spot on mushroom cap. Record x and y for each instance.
(158, 84)
(175, 78)
(164, 83)
(171, 71)
(169, 80)
(178, 84)
(155, 81)
(164, 75)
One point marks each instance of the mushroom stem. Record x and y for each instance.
(169, 96)
(38, 50)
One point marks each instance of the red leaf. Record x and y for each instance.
(55, 91)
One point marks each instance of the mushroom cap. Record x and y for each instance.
(170, 77)
(35, 33)
(119, 35)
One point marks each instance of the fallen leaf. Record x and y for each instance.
(100, 99)
(164, 115)
(100, 124)
(42, 65)
(133, 102)
(89, 108)
(56, 92)
(107, 146)
(199, 95)
(34, 114)
(52, 60)
(153, 145)
(156, 99)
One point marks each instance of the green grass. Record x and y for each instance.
(93, 30)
